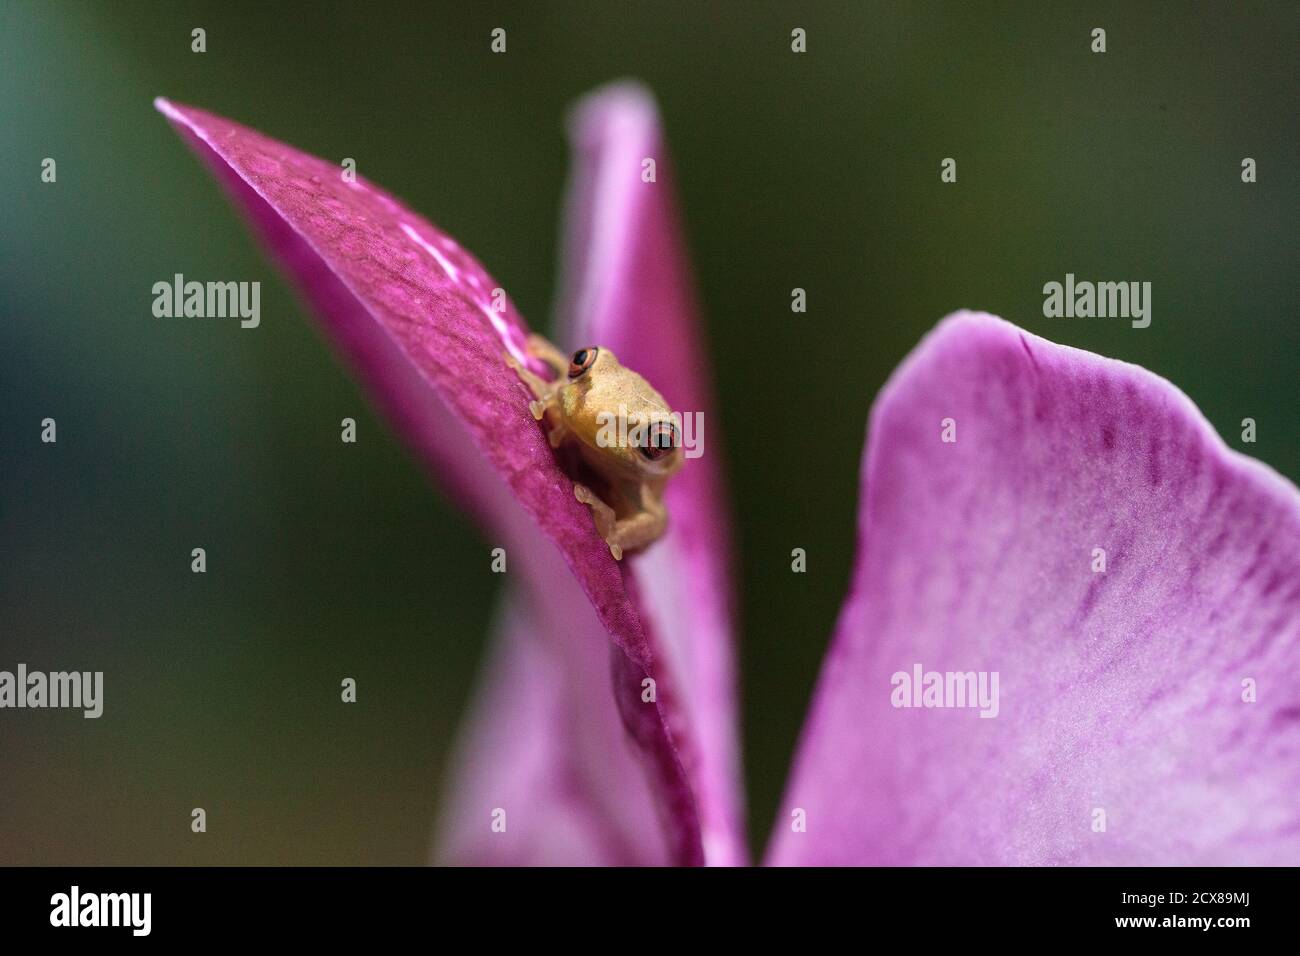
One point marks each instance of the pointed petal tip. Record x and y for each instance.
(626, 93)
(623, 112)
(169, 109)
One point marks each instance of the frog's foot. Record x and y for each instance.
(603, 515)
(539, 347)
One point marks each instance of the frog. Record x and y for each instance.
(615, 436)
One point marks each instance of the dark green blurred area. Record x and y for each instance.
(326, 560)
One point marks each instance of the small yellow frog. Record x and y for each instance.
(616, 436)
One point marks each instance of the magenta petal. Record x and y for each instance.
(412, 313)
(545, 745)
(1120, 692)
(628, 288)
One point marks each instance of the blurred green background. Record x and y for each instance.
(819, 171)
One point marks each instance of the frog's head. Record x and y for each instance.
(626, 425)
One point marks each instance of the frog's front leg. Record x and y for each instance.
(624, 534)
(542, 389)
(601, 513)
(545, 400)
(540, 347)
(640, 530)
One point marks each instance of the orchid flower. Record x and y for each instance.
(1065, 524)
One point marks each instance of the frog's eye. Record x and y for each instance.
(583, 359)
(661, 439)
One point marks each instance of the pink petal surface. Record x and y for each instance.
(412, 313)
(627, 287)
(545, 742)
(1120, 691)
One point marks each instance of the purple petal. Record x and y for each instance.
(1120, 691)
(412, 313)
(627, 288)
